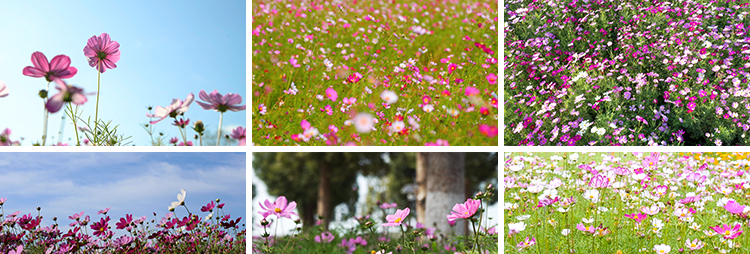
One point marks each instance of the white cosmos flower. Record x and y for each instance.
(592, 195)
(397, 126)
(565, 232)
(363, 122)
(662, 248)
(516, 227)
(389, 97)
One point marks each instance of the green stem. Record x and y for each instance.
(98, 91)
(46, 115)
(218, 133)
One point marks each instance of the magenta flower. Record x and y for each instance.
(18, 250)
(239, 134)
(125, 222)
(492, 78)
(637, 217)
(471, 91)
(215, 101)
(397, 218)
(547, 201)
(102, 52)
(58, 68)
(325, 237)
(734, 207)
(332, 94)
(173, 110)
(465, 210)
(727, 232)
(208, 207)
(279, 208)
(3, 90)
(100, 227)
(68, 93)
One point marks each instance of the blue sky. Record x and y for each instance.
(131, 183)
(168, 50)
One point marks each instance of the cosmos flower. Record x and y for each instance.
(662, 248)
(325, 237)
(58, 68)
(695, 244)
(239, 134)
(527, 243)
(734, 207)
(67, 94)
(332, 94)
(215, 101)
(465, 210)
(363, 122)
(174, 109)
(280, 208)
(102, 52)
(397, 218)
(728, 232)
(389, 97)
(515, 228)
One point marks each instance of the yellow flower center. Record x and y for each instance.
(278, 210)
(682, 215)
(397, 220)
(726, 232)
(692, 245)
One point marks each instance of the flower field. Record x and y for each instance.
(625, 72)
(215, 233)
(627, 203)
(375, 73)
(397, 234)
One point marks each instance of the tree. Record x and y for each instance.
(444, 175)
(333, 175)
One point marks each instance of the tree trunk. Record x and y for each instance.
(324, 195)
(445, 188)
(307, 212)
(421, 186)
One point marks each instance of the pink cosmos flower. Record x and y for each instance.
(104, 211)
(637, 217)
(452, 67)
(354, 78)
(208, 207)
(3, 90)
(599, 181)
(492, 78)
(173, 110)
(695, 244)
(465, 210)
(652, 210)
(5, 141)
(279, 208)
(489, 131)
(100, 227)
(326, 237)
(734, 207)
(124, 222)
(581, 227)
(660, 190)
(397, 218)
(547, 201)
(68, 93)
(58, 68)
(727, 232)
(527, 243)
(332, 94)
(215, 101)
(471, 91)
(18, 250)
(387, 205)
(102, 52)
(239, 134)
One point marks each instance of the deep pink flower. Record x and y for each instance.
(489, 131)
(332, 94)
(125, 222)
(208, 207)
(492, 78)
(637, 217)
(279, 208)
(397, 218)
(465, 210)
(547, 201)
(452, 67)
(58, 68)
(239, 134)
(727, 232)
(471, 91)
(104, 211)
(173, 110)
(102, 52)
(354, 78)
(189, 143)
(100, 227)
(734, 207)
(217, 102)
(68, 93)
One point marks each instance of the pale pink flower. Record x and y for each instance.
(465, 210)
(102, 52)
(173, 110)
(279, 208)
(3, 90)
(397, 218)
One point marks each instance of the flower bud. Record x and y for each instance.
(43, 94)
